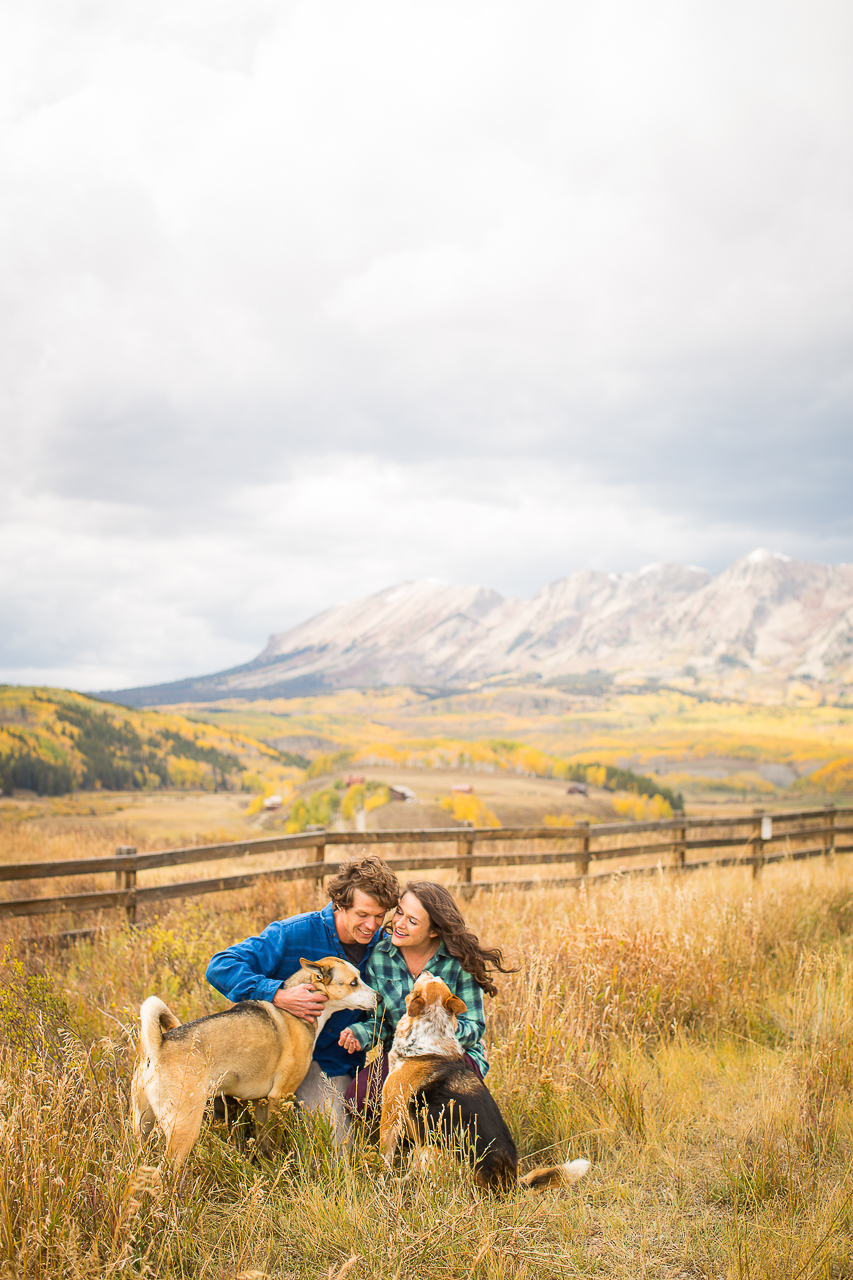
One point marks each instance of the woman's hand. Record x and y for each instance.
(348, 1041)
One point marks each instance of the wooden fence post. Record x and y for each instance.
(582, 860)
(464, 849)
(679, 849)
(758, 844)
(127, 879)
(829, 836)
(319, 856)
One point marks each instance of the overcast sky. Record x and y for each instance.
(299, 300)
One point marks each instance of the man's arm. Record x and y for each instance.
(255, 968)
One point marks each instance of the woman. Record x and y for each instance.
(427, 931)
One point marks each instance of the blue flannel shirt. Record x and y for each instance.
(255, 968)
(388, 974)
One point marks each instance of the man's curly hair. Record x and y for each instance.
(369, 874)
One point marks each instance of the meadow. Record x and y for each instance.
(685, 746)
(713, 748)
(692, 1037)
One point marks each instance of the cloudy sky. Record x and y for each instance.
(298, 300)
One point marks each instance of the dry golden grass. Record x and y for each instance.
(693, 1038)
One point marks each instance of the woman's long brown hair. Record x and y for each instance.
(448, 921)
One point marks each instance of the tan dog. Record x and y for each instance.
(430, 1088)
(252, 1050)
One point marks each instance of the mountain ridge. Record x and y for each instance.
(766, 613)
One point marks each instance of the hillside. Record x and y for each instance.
(711, 751)
(767, 617)
(53, 741)
(705, 747)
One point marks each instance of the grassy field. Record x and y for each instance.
(711, 748)
(693, 1038)
(642, 727)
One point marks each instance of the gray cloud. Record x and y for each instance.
(296, 301)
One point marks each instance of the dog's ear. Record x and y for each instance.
(453, 1004)
(319, 972)
(415, 1005)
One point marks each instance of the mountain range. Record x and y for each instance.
(767, 614)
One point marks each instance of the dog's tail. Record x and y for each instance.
(540, 1178)
(156, 1018)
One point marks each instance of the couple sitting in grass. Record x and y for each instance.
(426, 931)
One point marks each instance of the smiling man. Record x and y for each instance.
(361, 895)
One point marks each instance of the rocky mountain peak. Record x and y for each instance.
(767, 612)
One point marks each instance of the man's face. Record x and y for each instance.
(359, 922)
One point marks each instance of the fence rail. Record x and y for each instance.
(761, 834)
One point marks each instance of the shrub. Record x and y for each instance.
(469, 808)
(643, 808)
(318, 809)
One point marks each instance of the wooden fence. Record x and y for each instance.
(753, 841)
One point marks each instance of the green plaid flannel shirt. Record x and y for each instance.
(386, 972)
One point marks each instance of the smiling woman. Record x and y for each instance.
(427, 934)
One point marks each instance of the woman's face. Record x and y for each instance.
(411, 925)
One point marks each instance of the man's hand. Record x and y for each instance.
(304, 1002)
(348, 1041)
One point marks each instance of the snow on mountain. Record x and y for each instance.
(766, 612)
(591, 620)
(392, 637)
(770, 612)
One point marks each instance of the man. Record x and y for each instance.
(362, 894)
